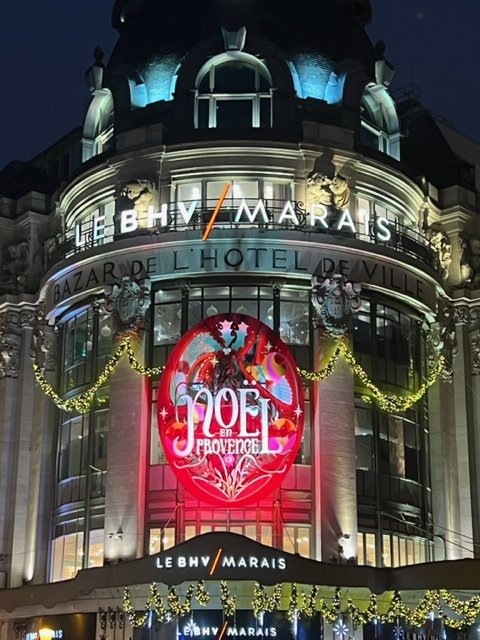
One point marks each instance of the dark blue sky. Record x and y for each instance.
(46, 47)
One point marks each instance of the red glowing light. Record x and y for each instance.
(230, 410)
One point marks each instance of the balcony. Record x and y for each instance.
(270, 216)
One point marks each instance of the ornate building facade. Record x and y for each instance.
(239, 343)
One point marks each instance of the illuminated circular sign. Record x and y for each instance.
(230, 410)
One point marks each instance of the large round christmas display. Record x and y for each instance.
(230, 410)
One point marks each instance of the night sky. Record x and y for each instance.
(46, 47)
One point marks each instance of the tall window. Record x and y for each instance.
(78, 537)
(380, 127)
(234, 90)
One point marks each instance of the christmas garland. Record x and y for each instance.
(388, 402)
(309, 603)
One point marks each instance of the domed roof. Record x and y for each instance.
(152, 28)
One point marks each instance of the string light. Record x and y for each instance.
(201, 594)
(388, 402)
(83, 402)
(229, 601)
(307, 604)
(293, 604)
(262, 602)
(310, 602)
(178, 608)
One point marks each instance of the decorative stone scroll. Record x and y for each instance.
(334, 300)
(128, 303)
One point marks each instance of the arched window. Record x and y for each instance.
(380, 126)
(98, 126)
(233, 90)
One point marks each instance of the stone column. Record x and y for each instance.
(333, 429)
(128, 422)
(16, 420)
(127, 463)
(462, 396)
(443, 463)
(43, 351)
(335, 455)
(475, 361)
(454, 438)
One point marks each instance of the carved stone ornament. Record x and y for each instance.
(44, 344)
(440, 243)
(140, 194)
(334, 301)
(470, 260)
(465, 315)
(128, 303)
(475, 346)
(14, 268)
(10, 355)
(326, 191)
(443, 339)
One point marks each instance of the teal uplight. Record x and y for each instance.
(314, 77)
(160, 75)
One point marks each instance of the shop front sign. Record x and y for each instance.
(265, 256)
(274, 624)
(183, 216)
(230, 410)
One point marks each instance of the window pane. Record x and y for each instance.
(266, 535)
(289, 539)
(361, 549)
(95, 548)
(167, 323)
(265, 112)
(67, 560)
(190, 531)
(370, 554)
(410, 556)
(234, 77)
(387, 558)
(403, 551)
(203, 107)
(294, 323)
(396, 557)
(303, 541)
(234, 113)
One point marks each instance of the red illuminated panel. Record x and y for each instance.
(230, 410)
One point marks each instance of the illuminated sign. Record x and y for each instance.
(221, 560)
(230, 410)
(43, 634)
(276, 625)
(193, 630)
(258, 256)
(319, 216)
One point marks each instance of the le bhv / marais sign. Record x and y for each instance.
(318, 216)
(221, 559)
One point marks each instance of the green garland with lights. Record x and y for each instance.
(228, 601)
(388, 402)
(308, 603)
(262, 602)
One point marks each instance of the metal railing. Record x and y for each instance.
(271, 217)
